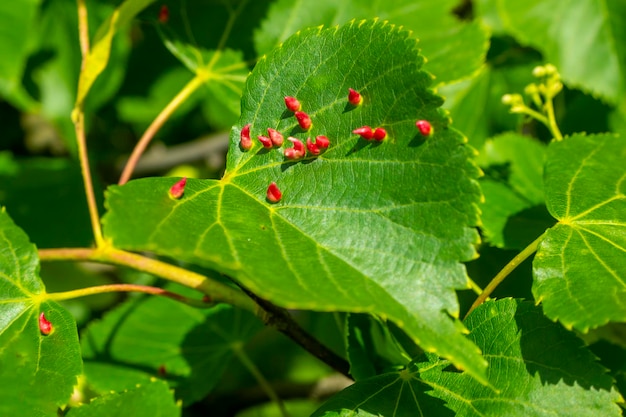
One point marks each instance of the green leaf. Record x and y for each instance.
(580, 266)
(513, 182)
(37, 372)
(98, 56)
(17, 18)
(536, 368)
(157, 337)
(47, 195)
(372, 349)
(454, 49)
(152, 399)
(412, 200)
(583, 38)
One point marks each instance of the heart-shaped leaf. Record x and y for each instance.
(580, 266)
(37, 370)
(366, 226)
(536, 369)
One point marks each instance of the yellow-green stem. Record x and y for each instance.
(79, 128)
(551, 121)
(154, 127)
(216, 291)
(510, 267)
(102, 289)
(265, 385)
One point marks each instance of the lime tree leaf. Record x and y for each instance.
(454, 49)
(151, 399)
(583, 38)
(17, 18)
(157, 337)
(37, 372)
(536, 368)
(513, 182)
(580, 266)
(364, 227)
(98, 56)
(371, 347)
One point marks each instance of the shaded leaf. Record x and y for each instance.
(580, 266)
(454, 49)
(411, 200)
(37, 372)
(157, 337)
(513, 182)
(17, 18)
(597, 41)
(536, 368)
(150, 399)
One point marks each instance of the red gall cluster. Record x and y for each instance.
(178, 189)
(379, 134)
(45, 327)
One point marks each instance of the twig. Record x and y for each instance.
(281, 320)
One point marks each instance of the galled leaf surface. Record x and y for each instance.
(580, 266)
(536, 368)
(158, 337)
(513, 182)
(152, 399)
(585, 39)
(454, 49)
(364, 227)
(37, 372)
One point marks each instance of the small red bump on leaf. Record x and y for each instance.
(354, 97)
(273, 193)
(365, 132)
(275, 136)
(292, 103)
(265, 141)
(322, 142)
(303, 120)
(162, 370)
(424, 127)
(206, 299)
(313, 148)
(44, 325)
(297, 151)
(380, 134)
(177, 190)
(245, 142)
(164, 14)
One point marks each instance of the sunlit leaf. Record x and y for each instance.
(37, 371)
(454, 49)
(580, 266)
(368, 227)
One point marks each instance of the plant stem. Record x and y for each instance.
(216, 291)
(263, 383)
(79, 127)
(508, 268)
(83, 32)
(551, 121)
(101, 289)
(158, 122)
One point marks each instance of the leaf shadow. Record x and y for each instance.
(104, 355)
(524, 226)
(417, 140)
(554, 353)
(361, 144)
